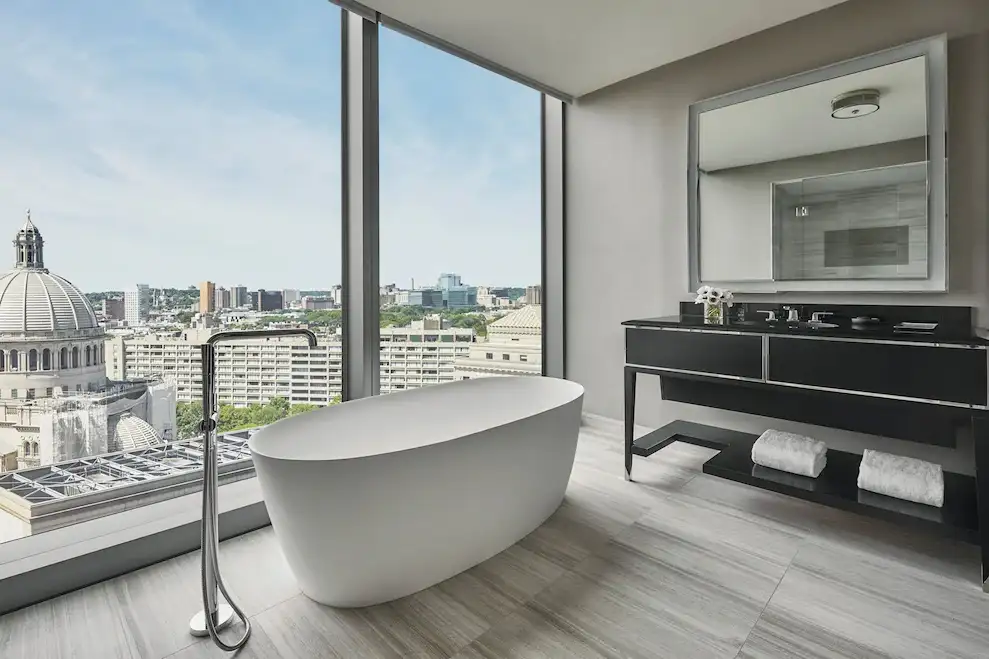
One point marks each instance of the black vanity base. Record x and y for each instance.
(931, 389)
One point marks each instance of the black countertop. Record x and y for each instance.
(845, 330)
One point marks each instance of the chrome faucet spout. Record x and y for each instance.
(216, 614)
(228, 335)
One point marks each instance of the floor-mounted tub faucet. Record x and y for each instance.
(216, 615)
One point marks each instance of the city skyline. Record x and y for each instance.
(153, 138)
(222, 284)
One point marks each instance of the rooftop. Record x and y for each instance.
(90, 487)
(529, 317)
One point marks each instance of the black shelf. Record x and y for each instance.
(688, 432)
(836, 487)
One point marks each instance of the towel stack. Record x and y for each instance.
(901, 477)
(789, 452)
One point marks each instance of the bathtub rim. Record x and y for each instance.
(578, 396)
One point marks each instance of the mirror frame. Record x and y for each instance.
(935, 52)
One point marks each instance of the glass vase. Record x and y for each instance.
(714, 314)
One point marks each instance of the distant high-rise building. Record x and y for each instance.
(448, 280)
(137, 304)
(338, 295)
(113, 308)
(207, 297)
(533, 294)
(289, 296)
(458, 297)
(268, 300)
(431, 298)
(221, 298)
(239, 297)
(314, 303)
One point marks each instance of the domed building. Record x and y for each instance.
(56, 402)
(50, 341)
(133, 432)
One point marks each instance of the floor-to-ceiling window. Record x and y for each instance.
(181, 161)
(460, 219)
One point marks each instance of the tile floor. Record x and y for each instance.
(677, 564)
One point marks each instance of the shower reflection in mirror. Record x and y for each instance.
(830, 180)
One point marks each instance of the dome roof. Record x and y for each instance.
(133, 432)
(33, 300)
(38, 301)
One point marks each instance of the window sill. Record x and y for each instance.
(48, 564)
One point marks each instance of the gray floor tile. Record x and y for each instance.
(839, 602)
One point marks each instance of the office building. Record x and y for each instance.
(431, 298)
(207, 297)
(313, 303)
(239, 297)
(533, 295)
(289, 296)
(458, 297)
(221, 298)
(137, 304)
(112, 308)
(268, 300)
(448, 280)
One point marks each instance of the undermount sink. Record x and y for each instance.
(809, 324)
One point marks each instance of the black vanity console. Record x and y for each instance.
(925, 387)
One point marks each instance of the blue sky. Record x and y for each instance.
(171, 141)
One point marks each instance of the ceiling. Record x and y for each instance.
(798, 122)
(579, 46)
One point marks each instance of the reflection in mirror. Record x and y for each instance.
(821, 181)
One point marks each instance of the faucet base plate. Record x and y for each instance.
(224, 616)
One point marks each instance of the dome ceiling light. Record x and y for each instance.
(854, 104)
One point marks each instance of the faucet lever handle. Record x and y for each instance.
(818, 316)
(770, 315)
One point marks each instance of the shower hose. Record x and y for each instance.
(210, 543)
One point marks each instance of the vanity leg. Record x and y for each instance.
(980, 433)
(630, 419)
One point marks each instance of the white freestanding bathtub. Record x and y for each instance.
(381, 497)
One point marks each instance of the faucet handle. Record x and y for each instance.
(819, 316)
(770, 315)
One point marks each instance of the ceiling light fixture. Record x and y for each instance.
(855, 104)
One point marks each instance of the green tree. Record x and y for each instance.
(187, 418)
(302, 408)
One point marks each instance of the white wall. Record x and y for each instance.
(626, 164)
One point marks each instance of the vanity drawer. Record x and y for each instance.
(717, 353)
(949, 374)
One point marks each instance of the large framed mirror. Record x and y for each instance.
(830, 180)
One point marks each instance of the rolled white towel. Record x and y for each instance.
(789, 452)
(901, 477)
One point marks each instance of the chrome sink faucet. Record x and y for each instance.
(216, 615)
(793, 315)
(819, 316)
